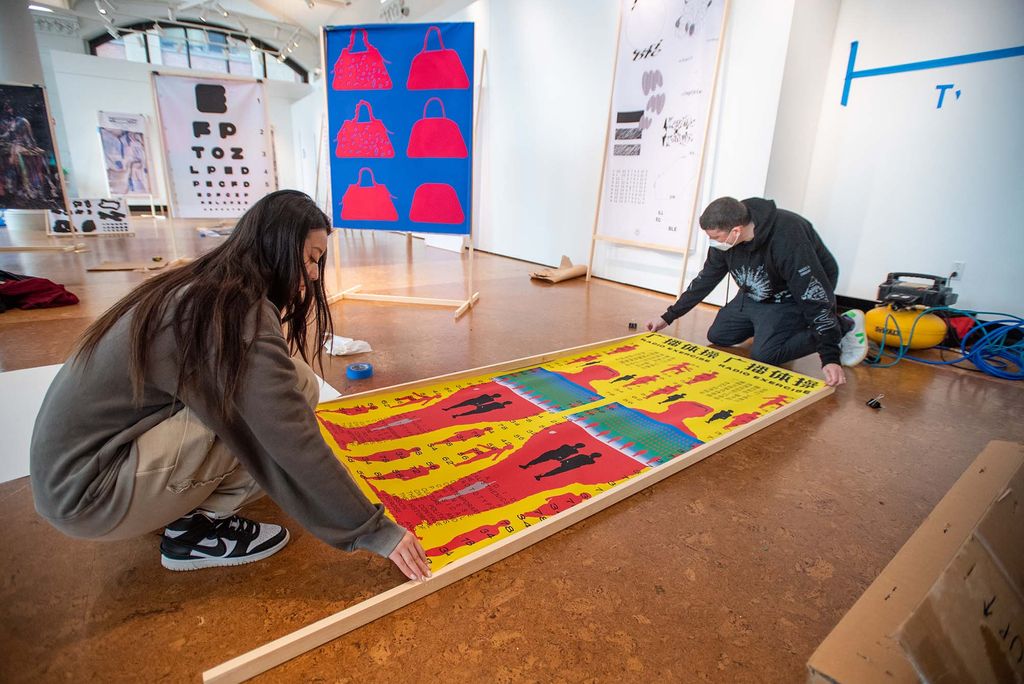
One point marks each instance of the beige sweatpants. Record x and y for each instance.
(182, 466)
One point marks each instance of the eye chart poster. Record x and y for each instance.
(217, 144)
(400, 113)
(664, 73)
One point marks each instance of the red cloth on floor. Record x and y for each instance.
(34, 293)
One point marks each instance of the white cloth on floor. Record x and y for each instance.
(342, 346)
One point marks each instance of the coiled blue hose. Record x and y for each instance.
(990, 352)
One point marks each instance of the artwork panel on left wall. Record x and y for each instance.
(30, 175)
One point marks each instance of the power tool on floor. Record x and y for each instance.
(898, 320)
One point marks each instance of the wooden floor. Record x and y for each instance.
(731, 571)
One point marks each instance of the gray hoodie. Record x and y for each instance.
(83, 468)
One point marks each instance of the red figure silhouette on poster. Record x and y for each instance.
(436, 136)
(368, 203)
(364, 138)
(439, 69)
(363, 70)
(436, 203)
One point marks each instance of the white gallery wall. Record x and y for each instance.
(307, 134)
(84, 85)
(542, 125)
(897, 183)
(808, 57)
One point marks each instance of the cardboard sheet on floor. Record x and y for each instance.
(565, 271)
(948, 606)
(21, 395)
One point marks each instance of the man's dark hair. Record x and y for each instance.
(724, 213)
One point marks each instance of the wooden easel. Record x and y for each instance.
(276, 652)
(352, 292)
(685, 250)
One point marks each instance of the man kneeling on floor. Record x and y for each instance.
(787, 280)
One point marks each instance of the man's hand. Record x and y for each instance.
(410, 558)
(657, 324)
(834, 374)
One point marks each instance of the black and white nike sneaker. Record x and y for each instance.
(197, 541)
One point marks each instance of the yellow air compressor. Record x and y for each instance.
(899, 321)
(897, 327)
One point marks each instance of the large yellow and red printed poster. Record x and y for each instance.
(467, 462)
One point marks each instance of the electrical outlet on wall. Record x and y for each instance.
(958, 270)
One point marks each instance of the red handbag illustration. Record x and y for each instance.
(364, 70)
(436, 136)
(436, 203)
(367, 203)
(364, 138)
(436, 69)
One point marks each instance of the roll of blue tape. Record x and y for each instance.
(358, 371)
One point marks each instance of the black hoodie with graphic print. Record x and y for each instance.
(785, 262)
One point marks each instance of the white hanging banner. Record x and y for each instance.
(664, 75)
(123, 137)
(217, 144)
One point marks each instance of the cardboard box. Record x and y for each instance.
(949, 606)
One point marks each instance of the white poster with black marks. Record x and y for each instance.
(217, 144)
(102, 216)
(664, 75)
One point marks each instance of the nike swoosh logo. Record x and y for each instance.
(219, 549)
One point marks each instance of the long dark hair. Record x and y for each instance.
(215, 294)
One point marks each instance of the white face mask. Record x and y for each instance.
(725, 246)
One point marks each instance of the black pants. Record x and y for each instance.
(779, 330)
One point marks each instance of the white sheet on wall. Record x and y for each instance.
(665, 70)
(217, 144)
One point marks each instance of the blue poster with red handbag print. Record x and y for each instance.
(400, 120)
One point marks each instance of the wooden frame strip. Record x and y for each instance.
(80, 247)
(317, 634)
(399, 299)
(51, 121)
(642, 245)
